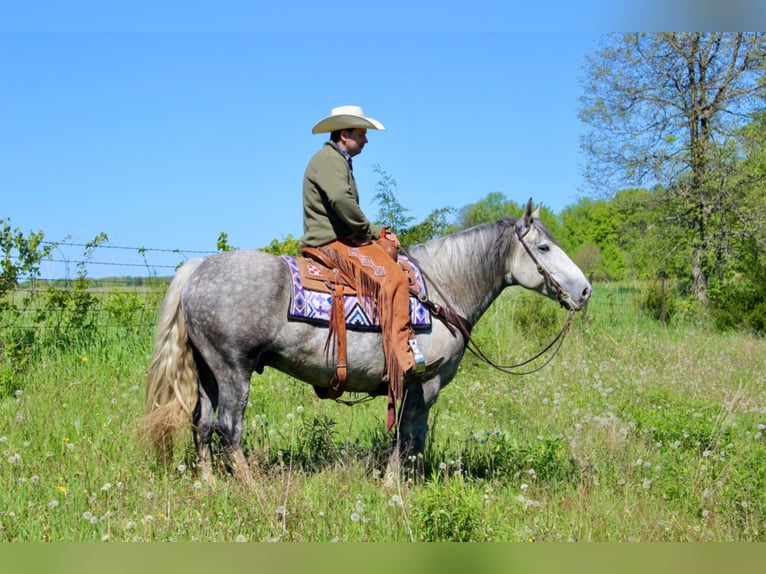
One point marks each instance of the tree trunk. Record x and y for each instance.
(699, 277)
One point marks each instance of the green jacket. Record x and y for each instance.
(331, 201)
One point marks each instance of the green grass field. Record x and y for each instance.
(635, 431)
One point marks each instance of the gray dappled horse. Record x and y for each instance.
(225, 317)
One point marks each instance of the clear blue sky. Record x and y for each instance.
(163, 125)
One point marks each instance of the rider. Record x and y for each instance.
(334, 223)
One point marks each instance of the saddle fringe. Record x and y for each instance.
(368, 294)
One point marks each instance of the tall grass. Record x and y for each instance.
(635, 431)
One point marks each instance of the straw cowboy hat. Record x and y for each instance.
(346, 117)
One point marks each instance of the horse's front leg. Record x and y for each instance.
(411, 430)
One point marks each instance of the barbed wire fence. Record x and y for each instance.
(130, 280)
(107, 287)
(121, 261)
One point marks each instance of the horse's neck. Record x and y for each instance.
(464, 270)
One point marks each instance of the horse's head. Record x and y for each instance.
(538, 263)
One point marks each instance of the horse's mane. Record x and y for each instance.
(468, 264)
(484, 248)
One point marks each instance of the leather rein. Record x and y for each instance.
(453, 319)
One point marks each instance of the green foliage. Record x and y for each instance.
(494, 454)
(592, 230)
(223, 242)
(125, 308)
(739, 302)
(288, 246)
(655, 117)
(488, 210)
(677, 423)
(22, 255)
(447, 511)
(390, 211)
(660, 300)
(433, 226)
(57, 314)
(536, 316)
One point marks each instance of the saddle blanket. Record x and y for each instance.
(313, 306)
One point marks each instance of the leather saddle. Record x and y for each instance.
(316, 273)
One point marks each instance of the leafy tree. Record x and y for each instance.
(590, 232)
(223, 242)
(288, 246)
(21, 254)
(488, 210)
(738, 292)
(433, 226)
(390, 211)
(663, 109)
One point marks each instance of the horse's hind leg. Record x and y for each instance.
(203, 434)
(234, 388)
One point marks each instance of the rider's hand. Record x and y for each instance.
(393, 239)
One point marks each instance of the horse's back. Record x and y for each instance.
(236, 289)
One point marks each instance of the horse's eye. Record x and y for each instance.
(545, 248)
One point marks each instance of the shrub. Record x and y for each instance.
(660, 300)
(448, 511)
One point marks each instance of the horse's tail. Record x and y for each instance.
(171, 381)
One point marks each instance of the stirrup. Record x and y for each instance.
(420, 360)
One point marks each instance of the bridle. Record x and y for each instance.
(453, 319)
(564, 299)
(562, 295)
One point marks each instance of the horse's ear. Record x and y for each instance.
(536, 213)
(529, 214)
(525, 221)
